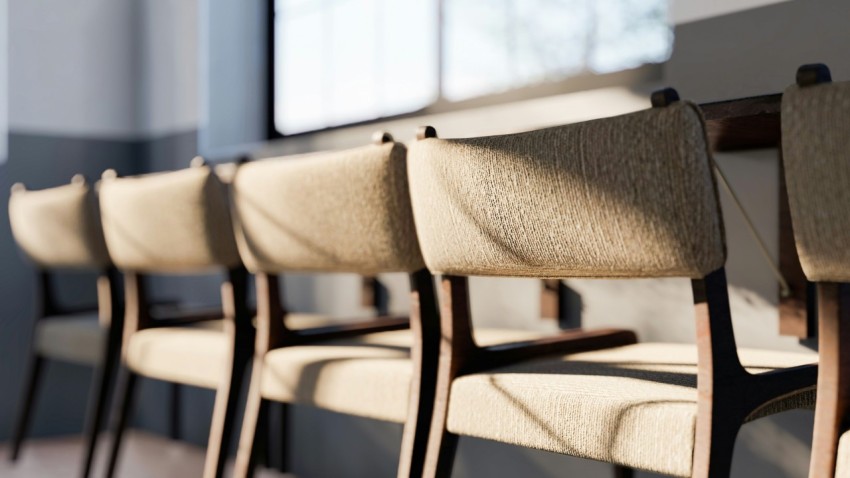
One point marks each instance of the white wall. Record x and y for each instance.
(103, 69)
(232, 85)
(683, 11)
(4, 58)
(72, 68)
(167, 99)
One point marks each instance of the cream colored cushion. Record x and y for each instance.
(194, 355)
(627, 196)
(59, 227)
(76, 338)
(168, 222)
(842, 466)
(816, 155)
(634, 405)
(345, 211)
(368, 376)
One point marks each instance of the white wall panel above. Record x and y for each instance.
(684, 11)
(71, 67)
(4, 90)
(168, 67)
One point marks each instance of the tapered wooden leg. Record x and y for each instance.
(174, 411)
(26, 405)
(833, 398)
(623, 472)
(715, 439)
(224, 414)
(442, 445)
(98, 398)
(126, 392)
(252, 425)
(425, 355)
(283, 438)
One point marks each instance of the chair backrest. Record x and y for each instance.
(628, 196)
(816, 156)
(174, 222)
(343, 211)
(59, 227)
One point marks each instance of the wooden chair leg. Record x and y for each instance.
(174, 411)
(254, 423)
(283, 438)
(98, 400)
(26, 405)
(715, 443)
(442, 445)
(224, 414)
(621, 471)
(126, 390)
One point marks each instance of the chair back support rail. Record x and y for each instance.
(628, 196)
(815, 146)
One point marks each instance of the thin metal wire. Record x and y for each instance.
(784, 288)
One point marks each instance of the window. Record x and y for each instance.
(339, 62)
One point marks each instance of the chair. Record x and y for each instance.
(346, 211)
(624, 197)
(178, 223)
(815, 145)
(59, 228)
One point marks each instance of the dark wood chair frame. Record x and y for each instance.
(141, 314)
(728, 393)
(109, 309)
(832, 411)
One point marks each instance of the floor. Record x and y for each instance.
(143, 456)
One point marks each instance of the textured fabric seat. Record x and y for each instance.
(191, 355)
(842, 466)
(634, 405)
(77, 338)
(195, 355)
(368, 376)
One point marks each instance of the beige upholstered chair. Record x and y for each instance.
(816, 156)
(59, 228)
(179, 223)
(346, 211)
(623, 197)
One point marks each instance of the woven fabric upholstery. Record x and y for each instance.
(168, 222)
(76, 338)
(194, 355)
(816, 155)
(842, 465)
(367, 376)
(628, 196)
(59, 227)
(345, 211)
(634, 405)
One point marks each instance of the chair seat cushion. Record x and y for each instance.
(76, 338)
(634, 405)
(194, 355)
(367, 376)
(842, 466)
